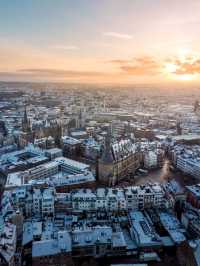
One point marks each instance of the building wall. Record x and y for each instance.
(105, 171)
(110, 173)
(62, 259)
(193, 200)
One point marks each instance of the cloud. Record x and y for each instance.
(60, 73)
(120, 61)
(145, 65)
(148, 65)
(118, 35)
(188, 67)
(54, 75)
(65, 47)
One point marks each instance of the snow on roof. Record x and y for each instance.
(122, 149)
(14, 179)
(52, 246)
(27, 233)
(195, 189)
(8, 241)
(54, 150)
(84, 193)
(118, 239)
(72, 163)
(70, 140)
(91, 235)
(142, 230)
(172, 225)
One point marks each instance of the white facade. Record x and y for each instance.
(116, 199)
(84, 199)
(48, 202)
(189, 166)
(42, 202)
(37, 197)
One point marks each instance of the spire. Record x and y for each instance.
(25, 121)
(80, 114)
(108, 138)
(25, 115)
(178, 128)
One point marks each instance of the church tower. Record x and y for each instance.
(26, 126)
(106, 162)
(27, 136)
(178, 128)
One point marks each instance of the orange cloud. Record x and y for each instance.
(188, 67)
(145, 65)
(60, 73)
(54, 74)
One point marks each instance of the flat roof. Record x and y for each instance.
(144, 233)
(81, 166)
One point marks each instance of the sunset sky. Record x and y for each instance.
(115, 41)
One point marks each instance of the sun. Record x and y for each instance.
(170, 67)
(170, 70)
(185, 77)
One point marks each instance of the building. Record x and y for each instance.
(95, 242)
(189, 166)
(84, 199)
(62, 172)
(8, 241)
(119, 160)
(27, 135)
(37, 199)
(71, 146)
(187, 159)
(32, 130)
(193, 195)
(119, 200)
(47, 204)
(150, 160)
(142, 197)
(53, 153)
(22, 159)
(173, 227)
(91, 149)
(45, 142)
(143, 232)
(53, 251)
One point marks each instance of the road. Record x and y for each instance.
(158, 175)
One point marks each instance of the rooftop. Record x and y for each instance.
(143, 232)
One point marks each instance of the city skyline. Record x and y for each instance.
(131, 42)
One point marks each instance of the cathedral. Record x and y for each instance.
(39, 129)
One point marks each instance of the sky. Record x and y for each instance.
(101, 41)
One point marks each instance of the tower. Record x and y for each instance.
(26, 126)
(196, 106)
(106, 162)
(27, 135)
(81, 116)
(178, 128)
